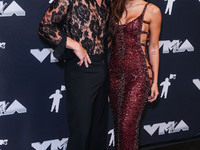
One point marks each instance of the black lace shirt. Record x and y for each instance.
(85, 21)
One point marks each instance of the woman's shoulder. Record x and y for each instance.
(153, 9)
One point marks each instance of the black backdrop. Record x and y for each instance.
(30, 76)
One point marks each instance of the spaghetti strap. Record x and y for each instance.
(145, 7)
(146, 22)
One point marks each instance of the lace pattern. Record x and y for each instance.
(82, 20)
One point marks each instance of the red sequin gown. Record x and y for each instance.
(130, 76)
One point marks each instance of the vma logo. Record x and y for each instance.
(6, 109)
(12, 9)
(41, 55)
(3, 142)
(52, 144)
(176, 46)
(170, 127)
(197, 83)
(3, 45)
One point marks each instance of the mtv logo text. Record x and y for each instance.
(6, 109)
(3, 142)
(51, 145)
(176, 46)
(12, 9)
(2, 45)
(170, 127)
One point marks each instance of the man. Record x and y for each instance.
(81, 27)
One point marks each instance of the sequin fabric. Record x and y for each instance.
(130, 81)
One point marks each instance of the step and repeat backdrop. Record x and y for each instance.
(32, 90)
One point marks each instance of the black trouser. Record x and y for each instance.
(87, 105)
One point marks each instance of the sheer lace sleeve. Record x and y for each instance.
(49, 27)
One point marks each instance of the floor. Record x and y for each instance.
(188, 145)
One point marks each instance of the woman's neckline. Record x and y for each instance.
(125, 24)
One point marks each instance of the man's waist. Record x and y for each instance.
(97, 57)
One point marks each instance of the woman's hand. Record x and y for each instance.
(154, 93)
(79, 51)
(82, 54)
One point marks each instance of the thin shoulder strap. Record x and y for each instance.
(145, 7)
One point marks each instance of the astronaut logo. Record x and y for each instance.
(166, 84)
(169, 6)
(57, 96)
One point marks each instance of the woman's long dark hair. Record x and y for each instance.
(117, 9)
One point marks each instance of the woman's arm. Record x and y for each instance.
(48, 27)
(49, 30)
(155, 27)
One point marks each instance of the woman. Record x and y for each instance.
(81, 27)
(131, 74)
